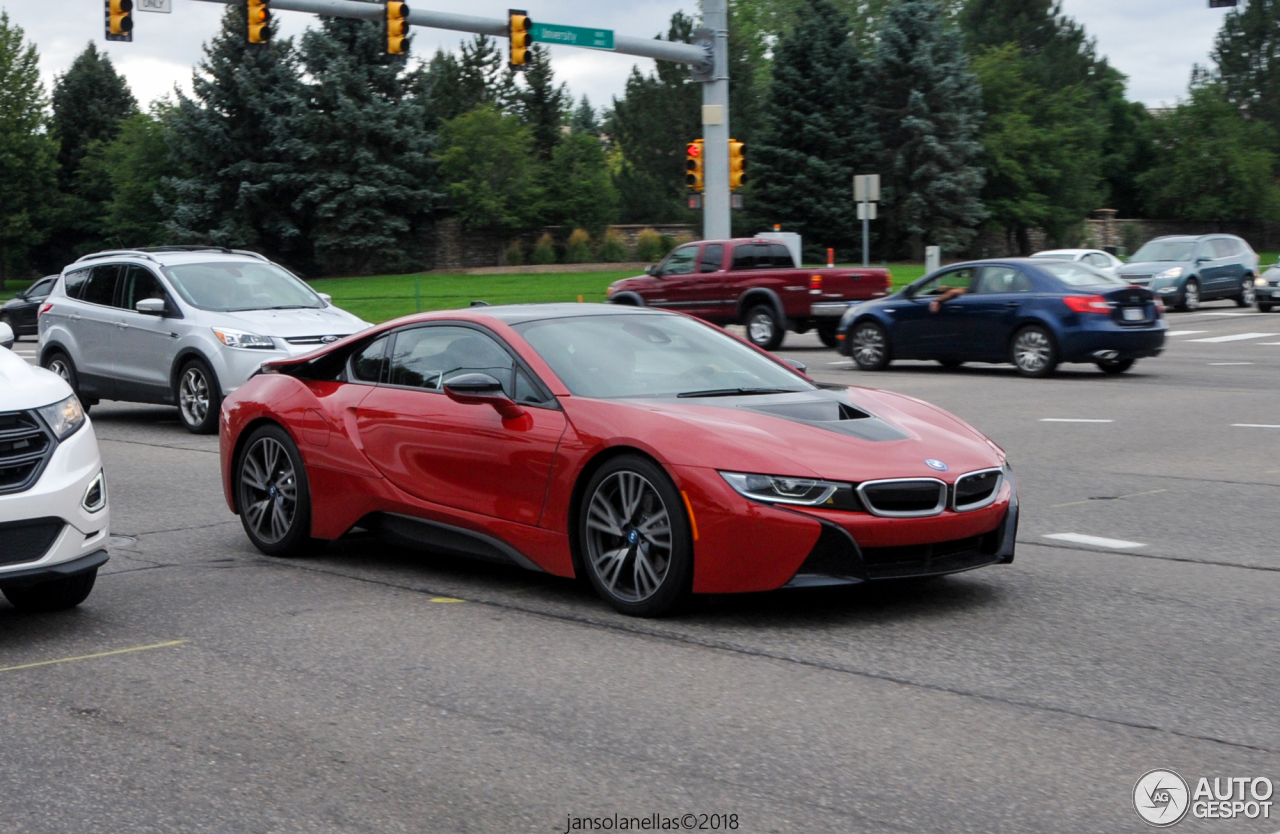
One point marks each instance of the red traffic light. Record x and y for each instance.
(694, 149)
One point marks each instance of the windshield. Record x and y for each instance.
(236, 286)
(1078, 275)
(653, 356)
(1164, 250)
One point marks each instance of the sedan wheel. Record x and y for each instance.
(272, 494)
(635, 539)
(1191, 296)
(1248, 295)
(870, 348)
(199, 398)
(1034, 353)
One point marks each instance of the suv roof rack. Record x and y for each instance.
(111, 253)
(199, 248)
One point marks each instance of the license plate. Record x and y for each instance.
(1134, 314)
(1275, 293)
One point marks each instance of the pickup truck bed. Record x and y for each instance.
(754, 283)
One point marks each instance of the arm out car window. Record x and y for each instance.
(712, 258)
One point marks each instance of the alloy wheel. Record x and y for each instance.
(1031, 351)
(59, 367)
(760, 329)
(193, 396)
(1191, 299)
(629, 536)
(270, 490)
(1249, 294)
(868, 346)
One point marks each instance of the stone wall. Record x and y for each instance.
(1103, 232)
(455, 249)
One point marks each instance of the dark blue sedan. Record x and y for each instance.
(1032, 313)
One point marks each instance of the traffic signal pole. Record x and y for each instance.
(716, 223)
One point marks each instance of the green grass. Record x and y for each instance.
(12, 288)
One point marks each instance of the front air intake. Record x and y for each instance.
(25, 448)
(904, 498)
(977, 490)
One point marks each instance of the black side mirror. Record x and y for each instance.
(652, 269)
(798, 365)
(482, 389)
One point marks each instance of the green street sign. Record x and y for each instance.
(572, 36)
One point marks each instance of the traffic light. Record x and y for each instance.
(259, 21)
(520, 39)
(397, 27)
(119, 20)
(737, 164)
(693, 165)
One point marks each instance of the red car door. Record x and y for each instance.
(462, 456)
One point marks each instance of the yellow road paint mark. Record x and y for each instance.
(693, 522)
(1117, 498)
(94, 656)
(446, 599)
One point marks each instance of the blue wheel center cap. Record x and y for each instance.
(272, 492)
(633, 537)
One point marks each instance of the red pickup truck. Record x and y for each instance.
(755, 283)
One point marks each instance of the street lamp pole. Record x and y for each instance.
(715, 126)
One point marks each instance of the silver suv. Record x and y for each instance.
(179, 325)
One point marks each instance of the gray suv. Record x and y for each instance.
(1183, 271)
(179, 325)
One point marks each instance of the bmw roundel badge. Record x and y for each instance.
(936, 464)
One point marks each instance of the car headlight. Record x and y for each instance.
(95, 497)
(772, 489)
(1167, 289)
(1175, 272)
(246, 341)
(612, 289)
(64, 417)
(1259, 281)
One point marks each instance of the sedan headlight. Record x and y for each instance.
(246, 341)
(772, 489)
(1175, 272)
(1259, 281)
(64, 417)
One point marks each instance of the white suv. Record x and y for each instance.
(53, 493)
(179, 325)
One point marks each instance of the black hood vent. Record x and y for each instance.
(824, 410)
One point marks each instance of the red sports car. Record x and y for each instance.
(652, 452)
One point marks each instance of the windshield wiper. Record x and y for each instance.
(737, 392)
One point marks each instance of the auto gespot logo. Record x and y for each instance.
(1162, 798)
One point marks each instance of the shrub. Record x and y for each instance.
(614, 248)
(579, 249)
(514, 255)
(649, 246)
(545, 250)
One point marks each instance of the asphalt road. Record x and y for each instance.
(377, 690)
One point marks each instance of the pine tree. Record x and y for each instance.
(1247, 52)
(28, 156)
(928, 107)
(234, 139)
(584, 119)
(817, 132)
(541, 103)
(366, 175)
(650, 127)
(1058, 51)
(89, 102)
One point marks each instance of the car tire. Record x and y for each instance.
(1190, 297)
(1248, 295)
(54, 595)
(1033, 352)
(1115, 366)
(951, 364)
(273, 494)
(1264, 307)
(634, 538)
(827, 335)
(869, 346)
(199, 397)
(61, 364)
(764, 328)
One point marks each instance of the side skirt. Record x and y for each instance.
(421, 534)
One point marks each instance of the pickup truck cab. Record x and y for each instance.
(754, 283)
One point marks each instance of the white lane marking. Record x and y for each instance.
(1253, 426)
(1235, 337)
(1228, 314)
(1185, 332)
(1221, 364)
(1269, 343)
(1071, 420)
(1094, 541)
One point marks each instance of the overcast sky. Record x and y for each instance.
(1154, 42)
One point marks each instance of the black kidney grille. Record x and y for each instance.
(924, 497)
(25, 447)
(973, 491)
(27, 541)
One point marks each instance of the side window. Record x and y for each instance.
(366, 366)
(428, 357)
(1002, 279)
(955, 279)
(681, 261)
(712, 258)
(1222, 248)
(526, 391)
(101, 288)
(40, 290)
(75, 282)
(140, 284)
(744, 256)
(780, 257)
(1094, 259)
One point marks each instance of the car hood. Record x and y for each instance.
(1150, 267)
(854, 434)
(287, 324)
(24, 386)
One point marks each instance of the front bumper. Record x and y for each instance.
(57, 499)
(234, 366)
